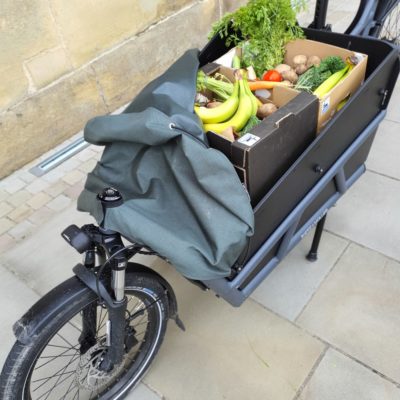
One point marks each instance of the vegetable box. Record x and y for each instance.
(263, 155)
(329, 103)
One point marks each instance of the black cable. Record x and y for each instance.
(132, 246)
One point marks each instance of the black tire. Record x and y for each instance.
(389, 28)
(19, 376)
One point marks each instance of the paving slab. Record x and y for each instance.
(44, 259)
(340, 378)
(16, 298)
(384, 156)
(229, 353)
(357, 309)
(290, 286)
(369, 214)
(142, 392)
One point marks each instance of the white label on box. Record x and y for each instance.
(325, 105)
(359, 57)
(248, 139)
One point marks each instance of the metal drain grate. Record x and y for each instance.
(59, 157)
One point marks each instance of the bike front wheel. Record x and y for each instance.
(56, 366)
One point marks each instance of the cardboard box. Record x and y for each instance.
(329, 103)
(263, 156)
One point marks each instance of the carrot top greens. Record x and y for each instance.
(261, 29)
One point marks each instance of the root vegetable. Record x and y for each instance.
(282, 68)
(313, 60)
(266, 110)
(264, 85)
(300, 59)
(251, 74)
(290, 76)
(201, 100)
(262, 94)
(228, 134)
(300, 69)
(213, 104)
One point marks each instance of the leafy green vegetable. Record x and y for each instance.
(316, 75)
(221, 87)
(251, 123)
(261, 28)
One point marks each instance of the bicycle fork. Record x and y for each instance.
(115, 303)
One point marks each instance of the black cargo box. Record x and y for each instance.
(304, 174)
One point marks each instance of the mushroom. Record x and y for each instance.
(300, 69)
(313, 60)
(299, 59)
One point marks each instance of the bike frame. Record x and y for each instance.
(367, 21)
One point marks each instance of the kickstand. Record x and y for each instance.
(313, 253)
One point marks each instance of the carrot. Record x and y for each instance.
(265, 85)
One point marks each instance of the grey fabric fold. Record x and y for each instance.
(181, 198)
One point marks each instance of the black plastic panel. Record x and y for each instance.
(334, 139)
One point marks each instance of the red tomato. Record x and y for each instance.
(272, 76)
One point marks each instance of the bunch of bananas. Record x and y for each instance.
(234, 112)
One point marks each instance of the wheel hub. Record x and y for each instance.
(88, 374)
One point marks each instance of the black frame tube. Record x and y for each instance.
(313, 253)
(321, 9)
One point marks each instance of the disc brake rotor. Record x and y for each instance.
(88, 375)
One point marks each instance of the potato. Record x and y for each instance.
(313, 60)
(266, 110)
(290, 76)
(228, 134)
(299, 59)
(282, 67)
(300, 69)
(213, 104)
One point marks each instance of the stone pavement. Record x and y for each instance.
(312, 331)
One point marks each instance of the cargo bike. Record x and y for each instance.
(96, 334)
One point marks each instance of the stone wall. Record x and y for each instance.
(63, 62)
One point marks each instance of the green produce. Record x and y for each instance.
(236, 64)
(317, 74)
(242, 115)
(222, 88)
(330, 83)
(261, 28)
(222, 112)
(251, 123)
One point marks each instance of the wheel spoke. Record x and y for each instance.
(57, 382)
(68, 390)
(69, 381)
(48, 362)
(65, 340)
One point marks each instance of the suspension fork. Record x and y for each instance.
(109, 249)
(116, 324)
(108, 246)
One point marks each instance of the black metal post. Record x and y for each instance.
(313, 253)
(321, 8)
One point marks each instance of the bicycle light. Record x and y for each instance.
(78, 239)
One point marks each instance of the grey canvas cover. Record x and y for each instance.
(181, 198)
